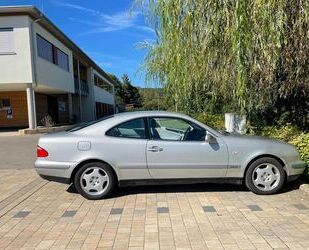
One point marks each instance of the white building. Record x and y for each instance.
(43, 72)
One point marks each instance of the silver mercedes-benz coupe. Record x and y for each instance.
(154, 147)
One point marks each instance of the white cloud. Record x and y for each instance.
(77, 7)
(105, 64)
(106, 23)
(102, 57)
(78, 20)
(145, 28)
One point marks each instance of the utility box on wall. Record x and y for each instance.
(235, 123)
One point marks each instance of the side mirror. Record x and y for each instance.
(209, 138)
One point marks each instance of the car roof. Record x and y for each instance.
(134, 114)
(118, 118)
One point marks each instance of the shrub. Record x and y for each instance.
(301, 142)
(212, 120)
(284, 133)
(47, 121)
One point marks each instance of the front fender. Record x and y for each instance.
(239, 163)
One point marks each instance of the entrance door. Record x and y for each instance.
(52, 108)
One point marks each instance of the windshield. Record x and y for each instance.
(86, 124)
(221, 131)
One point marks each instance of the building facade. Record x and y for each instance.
(43, 73)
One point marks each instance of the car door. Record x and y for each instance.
(178, 149)
(124, 147)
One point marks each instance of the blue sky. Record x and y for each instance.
(107, 30)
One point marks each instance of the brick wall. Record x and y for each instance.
(18, 101)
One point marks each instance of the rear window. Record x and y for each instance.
(134, 129)
(87, 124)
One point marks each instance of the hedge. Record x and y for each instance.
(212, 120)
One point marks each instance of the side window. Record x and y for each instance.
(6, 41)
(51, 53)
(175, 129)
(45, 49)
(130, 129)
(62, 59)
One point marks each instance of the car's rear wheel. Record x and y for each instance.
(94, 180)
(265, 176)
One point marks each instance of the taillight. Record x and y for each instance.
(41, 152)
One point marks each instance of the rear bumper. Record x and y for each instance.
(55, 171)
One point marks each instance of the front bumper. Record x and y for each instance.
(296, 168)
(55, 171)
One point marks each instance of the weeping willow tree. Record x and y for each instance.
(251, 54)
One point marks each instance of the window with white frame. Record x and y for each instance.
(7, 46)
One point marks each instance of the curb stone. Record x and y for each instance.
(304, 188)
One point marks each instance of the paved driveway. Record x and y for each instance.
(36, 214)
(17, 152)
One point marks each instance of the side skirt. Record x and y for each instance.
(56, 179)
(147, 182)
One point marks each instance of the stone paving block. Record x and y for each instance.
(209, 209)
(300, 206)
(69, 213)
(162, 210)
(22, 214)
(255, 208)
(116, 211)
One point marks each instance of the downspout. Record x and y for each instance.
(80, 92)
(93, 94)
(33, 63)
(113, 88)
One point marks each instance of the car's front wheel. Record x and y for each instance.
(94, 180)
(265, 176)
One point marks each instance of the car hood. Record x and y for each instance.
(253, 140)
(257, 143)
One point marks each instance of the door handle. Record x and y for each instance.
(155, 149)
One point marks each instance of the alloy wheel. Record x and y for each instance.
(94, 181)
(266, 177)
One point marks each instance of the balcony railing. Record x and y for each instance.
(84, 87)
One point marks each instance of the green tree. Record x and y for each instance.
(251, 55)
(119, 93)
(130, 93)
(153, 99)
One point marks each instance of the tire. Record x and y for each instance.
(265, 176)
(95, 180)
